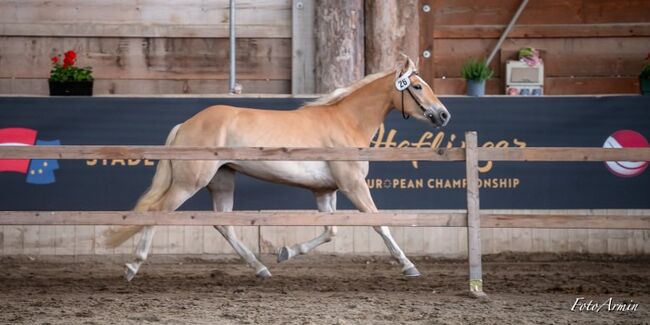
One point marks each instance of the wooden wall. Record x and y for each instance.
(176, 47)
(588, 46)
(147, 47)
(443, 242)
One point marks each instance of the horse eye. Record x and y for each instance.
(418, 87)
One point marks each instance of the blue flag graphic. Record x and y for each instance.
(41, 171)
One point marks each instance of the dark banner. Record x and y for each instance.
(621, 121)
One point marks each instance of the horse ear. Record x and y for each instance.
(404, 63)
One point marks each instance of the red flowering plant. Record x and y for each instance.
(67, 71)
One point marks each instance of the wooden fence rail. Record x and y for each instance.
(473, 218)
(348, 154)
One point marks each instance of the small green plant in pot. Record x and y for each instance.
(476, 73)
(644, 78)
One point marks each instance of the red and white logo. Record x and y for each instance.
(626, 139)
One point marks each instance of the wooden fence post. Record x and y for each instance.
(473, 217)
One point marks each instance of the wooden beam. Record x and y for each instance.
(552, 85)
(544, 31)
(211, 153)
(160, 18)
(427, 68)
(564, 154)
(217, 30)
(150, 58)
(318, 154)
(564, 221)
(303, 45)
(555, 219)
(237, 218)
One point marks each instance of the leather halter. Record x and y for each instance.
(404, 81)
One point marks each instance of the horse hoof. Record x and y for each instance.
(283, 254)
(130, 272)
(411, 272)
(263, 274)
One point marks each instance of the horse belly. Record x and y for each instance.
(309, 174)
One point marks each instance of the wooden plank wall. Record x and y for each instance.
(442, 242)
(147, 47)
(588, 47)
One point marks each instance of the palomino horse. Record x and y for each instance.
(347, 117)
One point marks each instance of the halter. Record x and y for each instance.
(404, 83)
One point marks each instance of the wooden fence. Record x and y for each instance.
(472, 218)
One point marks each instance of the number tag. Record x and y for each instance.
(404, 82)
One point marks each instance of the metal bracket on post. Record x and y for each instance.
(473, 217)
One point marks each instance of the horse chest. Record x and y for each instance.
(310, 174)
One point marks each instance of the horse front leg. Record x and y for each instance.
(352, 183)
(326, 202)
(222, 188)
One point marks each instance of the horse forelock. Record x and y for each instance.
(340, 93)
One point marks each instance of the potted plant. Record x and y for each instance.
(68, 80)
(476, 73)
(644, 78)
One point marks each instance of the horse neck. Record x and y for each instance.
(367, 107)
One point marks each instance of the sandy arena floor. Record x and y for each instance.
(320, 290)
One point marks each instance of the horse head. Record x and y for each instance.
(414, 97)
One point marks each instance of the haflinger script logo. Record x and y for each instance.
(626, 139)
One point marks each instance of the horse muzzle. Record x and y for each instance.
(439, 116)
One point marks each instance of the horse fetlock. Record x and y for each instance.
(131, 270)
(303, 249)
(263, 273)
(141, 256)
(411, 271)
(285, 253)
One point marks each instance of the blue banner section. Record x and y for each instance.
(617, 121)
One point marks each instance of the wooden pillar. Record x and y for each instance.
(426, 49)
(339, 43)
(392, 27)
(473, 217)
(302, 47)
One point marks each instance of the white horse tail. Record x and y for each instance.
(161, 182)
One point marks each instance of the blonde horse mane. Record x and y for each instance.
(340, 93)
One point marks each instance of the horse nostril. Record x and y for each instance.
(444, 116)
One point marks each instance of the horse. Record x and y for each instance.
(347, 117)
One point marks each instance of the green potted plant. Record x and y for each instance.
(644, 78)
(68, 80)
(476, 73)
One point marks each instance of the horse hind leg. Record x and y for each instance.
(180, 190)
(222, 188)
(141, 253)
(326, 203)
